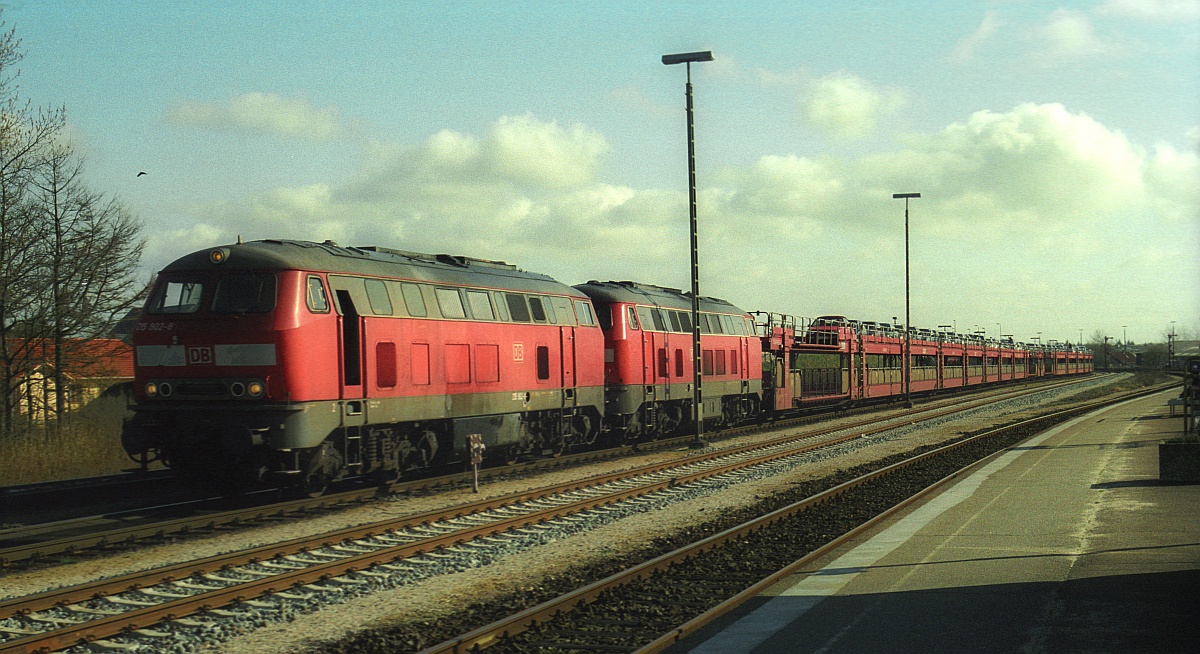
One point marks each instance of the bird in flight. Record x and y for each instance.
(140, 174)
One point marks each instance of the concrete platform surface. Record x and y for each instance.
(1067, 543)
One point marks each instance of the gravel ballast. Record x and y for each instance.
(529, 572)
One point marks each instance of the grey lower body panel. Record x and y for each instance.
(302, 425)
(627, 400)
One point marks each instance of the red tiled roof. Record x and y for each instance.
(94, 358)
(101, 357)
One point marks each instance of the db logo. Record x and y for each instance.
(200, 355)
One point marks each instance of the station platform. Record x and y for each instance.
(1066, 543)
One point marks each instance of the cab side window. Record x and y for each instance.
(318, 302)
(584, 310)
(535, 307)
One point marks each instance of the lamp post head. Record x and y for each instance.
(687, 57)
(895, 196)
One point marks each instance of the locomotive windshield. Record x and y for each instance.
(252, 292)
(177, 296)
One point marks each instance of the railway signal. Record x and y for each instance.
(476, 447)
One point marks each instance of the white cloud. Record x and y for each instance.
(964, 51)
(1069, 35)
(1038, 204)
(164, 245)
(1040, 158)
(261, 112)
(1173, 178)
(1162, 11)
(848, 106)
(526, 149)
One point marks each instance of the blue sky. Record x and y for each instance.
(1055, 145)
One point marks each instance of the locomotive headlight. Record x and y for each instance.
(218, 255)
(256, 388)
(151, 389)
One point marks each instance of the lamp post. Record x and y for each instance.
(697, 398)
(907, 324)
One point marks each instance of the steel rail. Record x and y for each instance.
(157, 529)
(100, 588)
(138, 618)
(488, 635)
(132, 533)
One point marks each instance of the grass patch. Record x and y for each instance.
(85, 445)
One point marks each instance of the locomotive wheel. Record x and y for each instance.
(326, 464)
(144, 458)
(670, 418)
(315, 485)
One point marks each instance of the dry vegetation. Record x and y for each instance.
(87, 445)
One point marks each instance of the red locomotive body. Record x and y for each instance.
(315, 361)
(648, 360)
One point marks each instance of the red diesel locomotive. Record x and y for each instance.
(304, 363)
(313, 361)
(648, 363)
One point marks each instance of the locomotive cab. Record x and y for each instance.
(211, 394)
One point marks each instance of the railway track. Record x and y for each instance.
(650, 606)
(59, 500)
(40, 542)
(275, 579)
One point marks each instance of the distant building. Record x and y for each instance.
(91, 367)
(1182, 351)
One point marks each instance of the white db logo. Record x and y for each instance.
(199, 356)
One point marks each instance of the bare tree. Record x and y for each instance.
(89, 261)
(24, 135)
(68, 256)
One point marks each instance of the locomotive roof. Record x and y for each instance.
(638, 293)
(372, 261)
